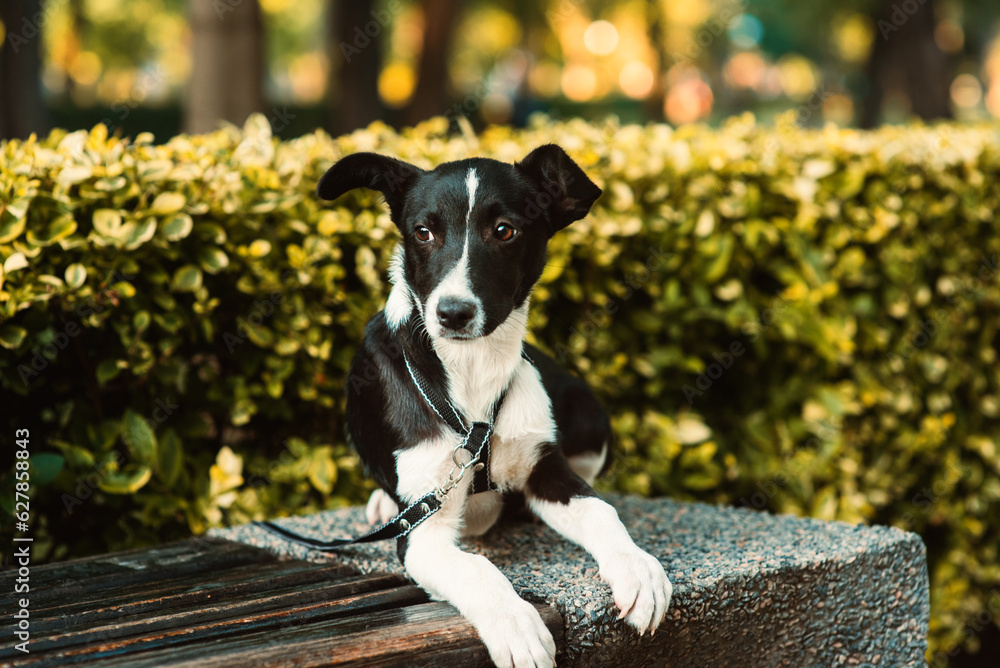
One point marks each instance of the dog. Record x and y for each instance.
(474, 236)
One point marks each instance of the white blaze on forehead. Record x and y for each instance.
(471, 181)
(456, 282)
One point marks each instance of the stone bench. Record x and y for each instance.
(750, 589)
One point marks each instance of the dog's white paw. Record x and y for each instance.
(515, 635)
(640, 587)
(381, 508)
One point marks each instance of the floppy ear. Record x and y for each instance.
(563, 188)
(387, 175)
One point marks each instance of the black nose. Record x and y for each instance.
(455, 313)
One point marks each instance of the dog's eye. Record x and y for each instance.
(504, 232)
(423, 234)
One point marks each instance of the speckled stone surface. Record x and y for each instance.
(750, 589)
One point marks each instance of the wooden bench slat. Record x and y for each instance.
(190, 590)
(250, 612)
(429, 634)
(99, 564)
(114, 570)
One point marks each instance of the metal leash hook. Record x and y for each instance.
(442, 492)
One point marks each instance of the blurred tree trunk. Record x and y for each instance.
(905, 54)
(227, 63)
(656, 20)
(356, 31)
(21, 108)
(432, 96)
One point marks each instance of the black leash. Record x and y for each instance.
(476, 442)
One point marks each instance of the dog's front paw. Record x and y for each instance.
(381, 508)
(640, 588)
(515, 635)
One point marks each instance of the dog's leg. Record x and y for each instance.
(511, 628)
(381, 508)
(566, 503)
(588, 466)
(481, 512)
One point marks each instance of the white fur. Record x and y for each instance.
(588, 466)
(523, 423)
(399, 305)
(381, 508)
(478, 369)
(456, 282)
(510, 627)
(640, 587)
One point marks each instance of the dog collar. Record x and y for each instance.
(476, 440)
(475, 437)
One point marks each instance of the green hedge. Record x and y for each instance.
(802, 321)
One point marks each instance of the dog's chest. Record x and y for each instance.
(523, 423)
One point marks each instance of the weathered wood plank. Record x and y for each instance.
(157, 597)
(98, 563)
(249, 613)
(429, 634)
(217, 603)
(120, 570)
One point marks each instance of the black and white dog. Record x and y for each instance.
(474, 235)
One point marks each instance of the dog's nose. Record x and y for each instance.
(455, 313)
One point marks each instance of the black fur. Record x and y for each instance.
(538, 196)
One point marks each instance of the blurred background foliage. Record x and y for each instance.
(802, 321)
(168, 65)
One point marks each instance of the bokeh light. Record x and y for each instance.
(636, 79)
(396, 84)
(966, 91)
(798, 76)
(689, 97)
(579, 83)
(746, 31)
(745, 70)
(601, 38)
(852, 37)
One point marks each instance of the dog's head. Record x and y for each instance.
(474, 231)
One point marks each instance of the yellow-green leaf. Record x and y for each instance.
(187, 279)
(212, 259)
(58, 229)
(177, 227)
(170, 456)
(11, 336)
(75, 275)
(167, 203)
(128, 481)
(139, 437)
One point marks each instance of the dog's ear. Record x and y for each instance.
(563, 188)
(389, 176)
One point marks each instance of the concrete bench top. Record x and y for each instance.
(750, 588)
